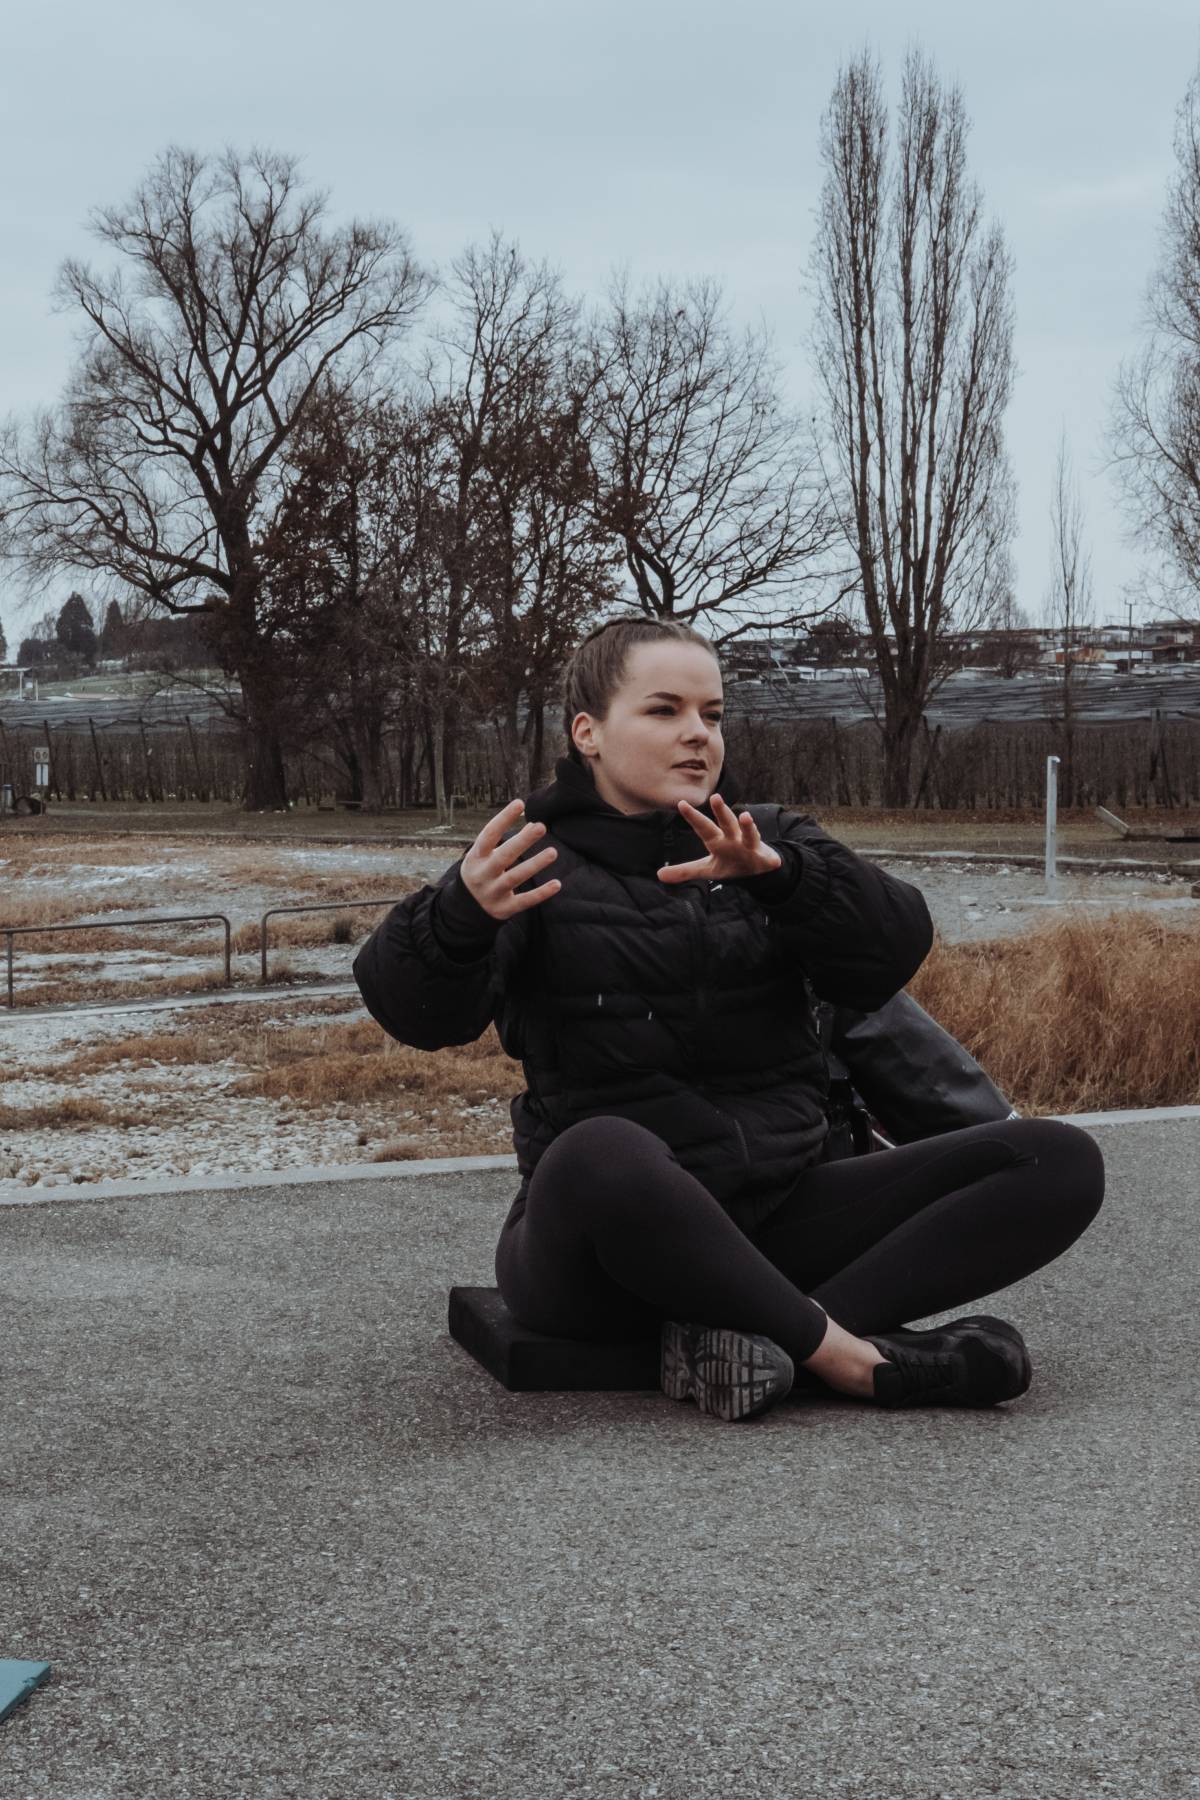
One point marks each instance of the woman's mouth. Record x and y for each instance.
(691, 768)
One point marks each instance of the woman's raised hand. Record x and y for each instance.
(491, 870)
(733, 844)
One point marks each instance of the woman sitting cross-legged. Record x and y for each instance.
(643, 949)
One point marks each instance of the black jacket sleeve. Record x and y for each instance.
(857, 932)
(427, 973)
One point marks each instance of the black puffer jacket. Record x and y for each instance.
(682, 1007)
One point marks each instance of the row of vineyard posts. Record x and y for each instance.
(811, 763)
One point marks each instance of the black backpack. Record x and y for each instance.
(896, 1076)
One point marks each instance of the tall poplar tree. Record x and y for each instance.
(913, 345)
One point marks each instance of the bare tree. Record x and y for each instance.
(1155, 428)
(358, 560)
(913, 348)
(710, 486)
(201, 351)
(321, 558)
(544, 570)
(521, 563)
(1070, 607)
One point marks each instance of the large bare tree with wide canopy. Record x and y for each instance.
(230, 304)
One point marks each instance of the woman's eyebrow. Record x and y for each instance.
(660, 696)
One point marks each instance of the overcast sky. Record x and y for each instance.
(676, 139)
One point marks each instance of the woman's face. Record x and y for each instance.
(667, 712)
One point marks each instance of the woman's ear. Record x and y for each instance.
(582, 738)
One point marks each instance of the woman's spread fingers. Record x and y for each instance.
(513, 849)
(521, 869)
(704, 828)
(495, 828)
(545, 890)
(742, 820)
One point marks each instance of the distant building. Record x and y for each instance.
(835, 648)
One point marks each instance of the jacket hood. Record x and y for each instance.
(634, 843)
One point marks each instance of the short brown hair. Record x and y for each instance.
(597, 667)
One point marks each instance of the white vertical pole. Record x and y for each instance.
(1051, 821)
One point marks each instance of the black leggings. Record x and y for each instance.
(616, 1235)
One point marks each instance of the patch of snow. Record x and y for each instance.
(92, 875)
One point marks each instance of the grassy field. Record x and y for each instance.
(404, 1103)
(48, 880)
(1076, 1017)
(1083, 1013)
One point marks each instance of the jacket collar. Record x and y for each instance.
(631, 843)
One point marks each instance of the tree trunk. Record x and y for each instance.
(513, 752)
(899, 737)
(354, 769)
(448, 756)
(437, 740)
(266, 777)
(537, 710)
(368, 745)
(1067, 782)
(407, 758)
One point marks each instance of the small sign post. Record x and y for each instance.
(1051, 823)
(41, 765)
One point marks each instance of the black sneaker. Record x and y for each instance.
(969, 1362)
(730, 1374)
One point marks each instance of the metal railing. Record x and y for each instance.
(276, 912)
(9, 932)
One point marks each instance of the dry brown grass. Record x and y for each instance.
(46, 854)
(1082, 1015)
(82, 988)
(312, 930)
(106, 942)
(266, 868)
(214, 1036)
(182, 1049)
(1079, 1017)
(381, 886)
(456, 1138)
(77, 1111)
(342, 1063)
(334, 1065)
(22, 910)
(295, 884)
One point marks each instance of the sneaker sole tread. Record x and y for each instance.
(731, 1375)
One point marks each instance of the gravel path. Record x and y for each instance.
(970, 901)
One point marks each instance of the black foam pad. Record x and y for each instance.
(529, 1362)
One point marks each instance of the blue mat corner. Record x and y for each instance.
(17, 1680)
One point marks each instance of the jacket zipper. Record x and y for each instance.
(696, 913)
(696, 925)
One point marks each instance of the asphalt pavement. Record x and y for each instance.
(278, 1535)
